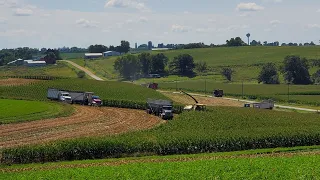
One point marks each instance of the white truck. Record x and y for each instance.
(266, 104)
(59, 95)
(161, 108)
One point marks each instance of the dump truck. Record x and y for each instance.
(266, 104)
(151, 85)
(218, 93)
(195, 107)
(59, 95)
(161, 108)
(85, 98)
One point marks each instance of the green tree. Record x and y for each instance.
(227, 73)
(296, 70)
(158, 63)
(316, 77)
(81, 74)
(128, 66)
(235, 42)
(125, 46)
(145, 62)
(182, 65)
(98, 48)
(269, 74)
(201, 67)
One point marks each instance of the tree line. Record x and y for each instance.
(124, 47)
(294, 69)
(132, 66)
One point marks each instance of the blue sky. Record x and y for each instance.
(57, 23)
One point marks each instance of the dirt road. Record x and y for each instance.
(86, 122)
(84, 69)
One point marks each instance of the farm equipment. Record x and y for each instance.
(59, 95)
(194, 107)
(161, 108)
(218, 93)
(266, 104)
(83, 98)
(151, 85)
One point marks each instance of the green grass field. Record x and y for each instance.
(106, 90)
(13, 111)
(59, 70)
(235, 165)
(219, 130)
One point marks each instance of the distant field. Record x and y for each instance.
(246, 61)
(242, 165)
(68, 56)
(304, 94)
(60, 70)
(106, 90)
(12, 111)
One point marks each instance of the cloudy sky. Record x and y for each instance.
(57, 23)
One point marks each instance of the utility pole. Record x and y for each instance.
(288, 92)
(242, 90)
(205, 86)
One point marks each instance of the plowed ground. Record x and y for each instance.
(86, 122)
(16, 82)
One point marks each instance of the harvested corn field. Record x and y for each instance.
(86, 122)
(181, 98)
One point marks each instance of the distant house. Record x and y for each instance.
(111, 53)
(92, 55)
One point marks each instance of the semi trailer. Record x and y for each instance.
(74, 97)
(161, 108)
(59, 95)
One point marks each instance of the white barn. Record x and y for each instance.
(111, 53)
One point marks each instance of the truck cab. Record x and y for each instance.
(96, 101)
(166, 112)
(65, 97)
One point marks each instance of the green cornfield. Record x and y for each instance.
(217, 130)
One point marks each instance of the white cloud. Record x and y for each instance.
(127, 4)
(275, 22)
(273, 1)
(205, 30)
(86, 23)
(313, 25)
(318, 10)
(249, 7)
(180, 28)
(17, 32)
(3, 20)
(9, 3)
(23, 12)
(143, 19)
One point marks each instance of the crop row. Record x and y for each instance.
(106, 90)
(219, 129)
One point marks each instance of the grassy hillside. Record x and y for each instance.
(244, 60)
(12, 111)
(106, 90)
(220, 129)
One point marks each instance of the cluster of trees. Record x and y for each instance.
(7, 55)
(124, 47)
(130, 66)
(69, 50)
(235, 42)
(294, 69)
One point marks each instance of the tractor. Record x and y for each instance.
(195, 107)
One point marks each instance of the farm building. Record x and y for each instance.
(18, 62)
(92, 55)
(111, 53)
(31, 63)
